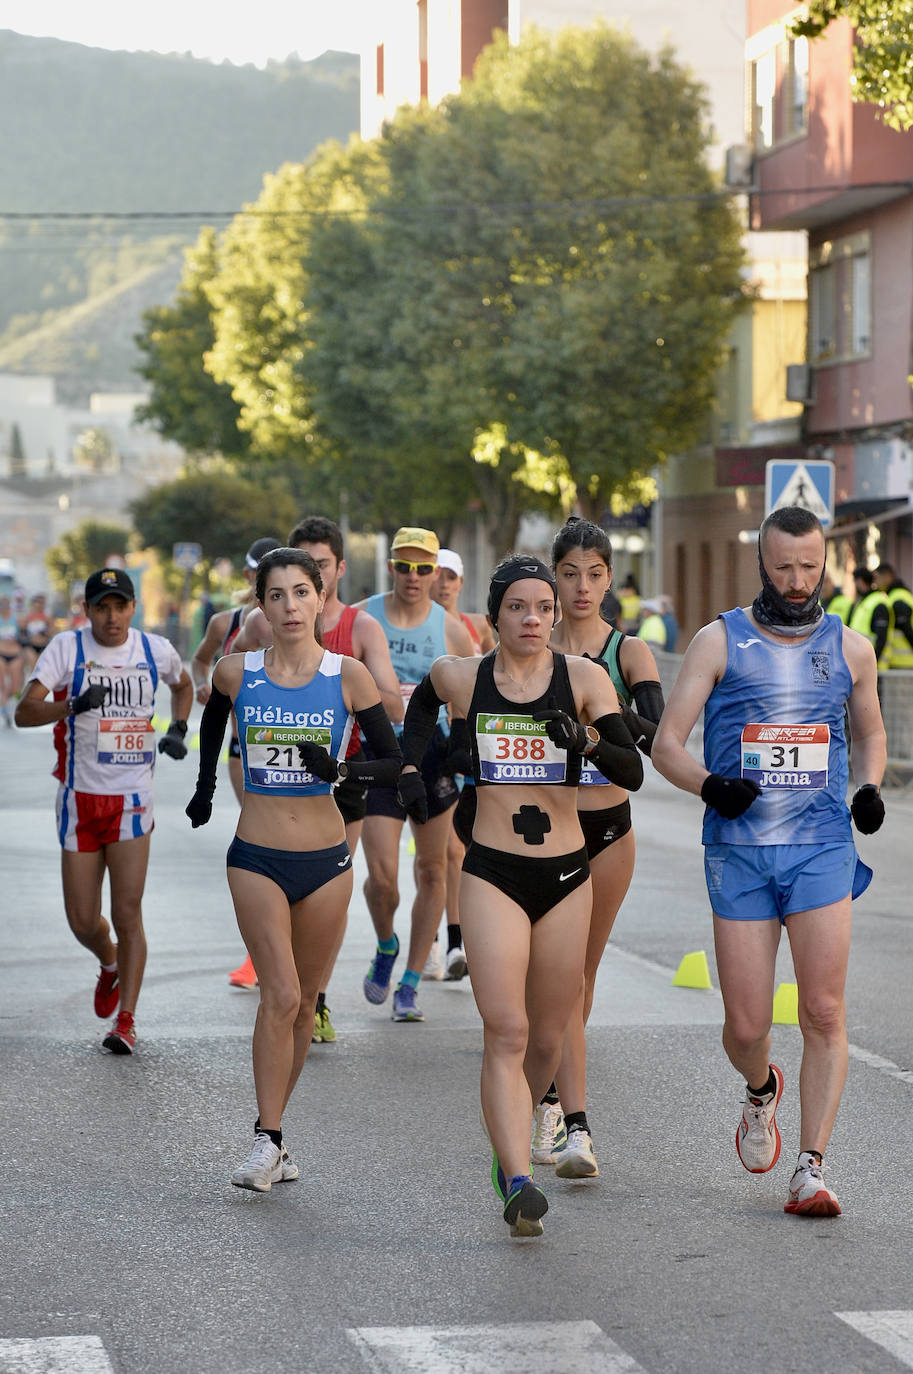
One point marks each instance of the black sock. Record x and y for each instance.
(576, 1121)
(321, 1001)
(551, 1097)
(275, 1136)
(454, 937)
(769, 1087)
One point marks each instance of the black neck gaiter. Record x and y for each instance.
(773, 611)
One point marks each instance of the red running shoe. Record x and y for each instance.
(107, 993)
(245, 976)
(121, 1038)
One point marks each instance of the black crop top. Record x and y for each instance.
(507, 744)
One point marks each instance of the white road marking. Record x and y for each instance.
(527, 1348)
(893, 1331)
(885, 1066)
(54, 1355)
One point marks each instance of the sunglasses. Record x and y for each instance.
(401, 565)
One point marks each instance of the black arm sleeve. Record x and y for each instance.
(616, 754)
(881, 624)
(383, 769)
(643, 722)
(903, 621)
(421, 718)
(212, 732)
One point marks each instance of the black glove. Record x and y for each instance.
(730, 796)
(89, 700)
(459, 759)
(199, 808)
(413, 796)
(867, 809)
(562, 729)
(172, 742)
(316, 760)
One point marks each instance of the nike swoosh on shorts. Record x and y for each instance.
(563, 877)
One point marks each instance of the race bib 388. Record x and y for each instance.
(516, 749)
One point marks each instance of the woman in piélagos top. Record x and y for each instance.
(582, 562)
(289, 867)
(525, 892)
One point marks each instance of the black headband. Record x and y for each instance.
(516, 570)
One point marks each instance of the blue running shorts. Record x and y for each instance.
(769, 882)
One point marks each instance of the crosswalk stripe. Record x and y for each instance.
(511, 1349)
(54, 1355)
(893, 1331)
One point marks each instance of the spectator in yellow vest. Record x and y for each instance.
(900, 643)
(629, 595)
(652, 627)
(871, 615)
(834, 602)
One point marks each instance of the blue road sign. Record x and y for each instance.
(187, 556)
(809, 484)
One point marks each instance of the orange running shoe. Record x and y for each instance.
(245, 976)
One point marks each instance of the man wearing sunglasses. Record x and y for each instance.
(418, 631)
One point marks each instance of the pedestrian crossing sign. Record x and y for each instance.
(809, 484)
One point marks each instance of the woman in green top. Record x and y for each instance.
(582, 560)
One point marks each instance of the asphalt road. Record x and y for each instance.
(124, 1248)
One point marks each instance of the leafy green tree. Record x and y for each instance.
(95, 450)
(882, 51)
(83, 550)
(218, 510)
(186, 403)
(514, 300)
(549, 263)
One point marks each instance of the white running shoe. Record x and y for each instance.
(262, 1168)
(577, 1159)
(548, 1134)
(808, 1194)
(456, 965)
(757, 1139)
(434, 969)
(288, 1169)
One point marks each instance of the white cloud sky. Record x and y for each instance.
(207, 28)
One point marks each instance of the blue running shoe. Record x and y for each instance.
(498, 1178)
(377, 982)
(405, 1007)
(525, 1208)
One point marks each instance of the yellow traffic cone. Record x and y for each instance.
(786, 1005)
(693, 972)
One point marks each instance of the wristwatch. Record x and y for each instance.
(342, 771)
(593, 737)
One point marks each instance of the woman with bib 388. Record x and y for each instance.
(525, 892)
(294, 704)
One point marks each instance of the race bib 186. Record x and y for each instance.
(126, 740)
(517, 749)
(272, 753)
(786, 755)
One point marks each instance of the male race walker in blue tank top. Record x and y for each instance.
(775, 681)
(418, 631)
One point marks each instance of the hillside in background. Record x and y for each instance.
(171, 143)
